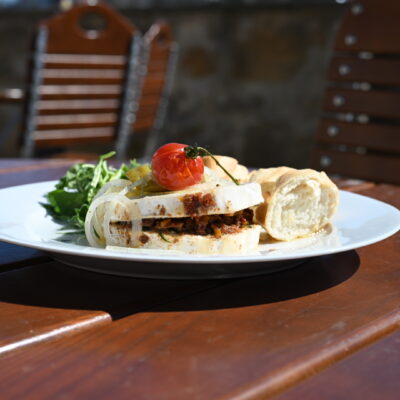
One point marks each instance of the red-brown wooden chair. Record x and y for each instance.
(158, 64)
(359, 133)
(84, 68)
(94, 79)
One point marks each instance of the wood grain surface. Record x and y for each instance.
(47, 300)
(37, 172)
(69, 334)
(244, 339)
(17, 172)
(362, 95)
(376, 71)
(373, 136)
(372, 373)
(12, 256)
(40, 300)
(363, 167)
(375, 27)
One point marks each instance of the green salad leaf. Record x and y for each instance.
(71, 198)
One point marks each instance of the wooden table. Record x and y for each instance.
(328, 329)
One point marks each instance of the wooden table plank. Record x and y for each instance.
(27, 312)
(247, 339)
(353, 185)
(243, 339)
(384, 192)
(12, 256)
(370, 374)
(22, 171)
(40, 302)
(18, 172)
(24, 322)
(12, 165)
(32, 175)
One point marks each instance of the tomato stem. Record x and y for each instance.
(196, 151)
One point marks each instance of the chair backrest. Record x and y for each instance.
(359, 133)
(80, 63)
(157, 65)
(95, 79)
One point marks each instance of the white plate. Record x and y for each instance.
(360, 221)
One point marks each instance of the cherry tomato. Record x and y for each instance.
(173, 170)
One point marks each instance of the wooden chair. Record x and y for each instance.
(158, 64)
(95, 79)
(359, 133)
(82, 69)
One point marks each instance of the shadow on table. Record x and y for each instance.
(55, 285)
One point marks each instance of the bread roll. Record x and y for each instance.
(297, 203)
(238, 171)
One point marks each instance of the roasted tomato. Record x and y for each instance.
(173, 170)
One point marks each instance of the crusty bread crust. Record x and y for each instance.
(297, 203)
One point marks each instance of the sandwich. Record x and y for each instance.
(297, 203)
(212, 217)
(193, 202)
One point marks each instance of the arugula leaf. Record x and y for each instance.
(71, 198)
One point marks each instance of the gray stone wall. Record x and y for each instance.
(249, 81)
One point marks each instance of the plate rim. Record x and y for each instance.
(88, 251)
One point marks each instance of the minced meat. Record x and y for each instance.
(197, 203)
(202, 225)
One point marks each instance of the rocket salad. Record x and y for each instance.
(74, 192)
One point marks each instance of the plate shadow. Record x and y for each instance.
(54, 285)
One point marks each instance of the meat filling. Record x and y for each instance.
(203, 225)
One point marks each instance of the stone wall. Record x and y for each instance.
(249, 81)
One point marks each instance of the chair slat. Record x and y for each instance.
(70, 92)
(370, 26)
(84, 60)
(149, 99)
(146, 112)
(51, 107)
(355, 69)
(95, 80)
(77, 118)
(75, 121)
(372, 167)
(373, 102)
(143, 124)
(80, 89)
(68, 137)
(157, 67)
(60, 107)
(379, 137)
(160, 54)
(82, 76)
(152, 85)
